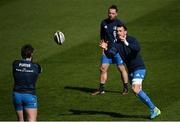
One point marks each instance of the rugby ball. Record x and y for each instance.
(59, 37)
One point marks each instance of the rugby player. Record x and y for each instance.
(25, 74)
(108, 33)
(129, 49)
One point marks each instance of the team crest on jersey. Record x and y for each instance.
(105, 27)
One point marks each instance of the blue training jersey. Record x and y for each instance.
(130, 54)
(25, 75)
(108, 30)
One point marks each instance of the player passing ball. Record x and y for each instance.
(25, 74)
(129, 49)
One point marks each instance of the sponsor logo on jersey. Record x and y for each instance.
(114, 28)
(138, 75)
(24, 65)
(24, 70)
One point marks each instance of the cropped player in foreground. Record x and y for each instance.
(25, 74)
(108, 33)
(129, 49)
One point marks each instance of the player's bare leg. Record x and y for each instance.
(103, 73)
(31, 114)
(20, 116)
(124, 77)
(103, 79)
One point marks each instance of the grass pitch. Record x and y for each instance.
(71, 71)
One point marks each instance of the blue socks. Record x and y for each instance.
(145, 99)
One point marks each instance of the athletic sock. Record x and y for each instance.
(101, 87)
(125, 86)
(145, 99)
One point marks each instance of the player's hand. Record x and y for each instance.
(123, 38)
(103, 45)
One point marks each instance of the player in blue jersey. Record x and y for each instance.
(25, 74)
(108, 33)
(129, 49)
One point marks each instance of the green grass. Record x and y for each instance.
(71, 71)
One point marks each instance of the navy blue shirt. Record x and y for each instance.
(108, 30)
(130, 54)
(25, 75)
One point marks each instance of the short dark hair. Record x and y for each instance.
(122, 25)
(114, 7)
(26, 51)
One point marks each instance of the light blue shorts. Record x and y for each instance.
(115, 60)
(23, 101)
(137, 76)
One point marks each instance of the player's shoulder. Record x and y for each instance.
(131, 38)
(119, 22)
(38, 66)
(116, 22)
(104, 21)
(16, 62)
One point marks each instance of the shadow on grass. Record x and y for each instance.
(87, 90)
(112, 114)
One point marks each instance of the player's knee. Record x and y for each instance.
(122, 68)
(136, 90)
(103, 69)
